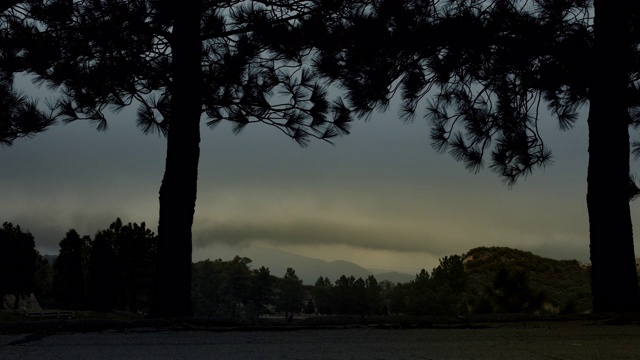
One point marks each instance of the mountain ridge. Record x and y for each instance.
(309, 269)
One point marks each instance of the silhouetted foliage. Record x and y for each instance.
(386, 290)
(322, 296)
(178, 62)
(18, 262)
(70, 271)
(486, 87)
(290, 293)
(448, 286)
(418, 294)
(350, 296)
(483, 86)
(205, 288)
(511, 293)
(399, 299)
(309, 307)
(490, 280)
(20, 117)
(373, 296)
(43, 287)
(225, 288)
(343, 295)
(565, 284)
(262, 289)
(7, 262)
(438, 293)
(122, 267)
(103, 282)
(485, 280)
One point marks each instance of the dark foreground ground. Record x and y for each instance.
(588, 337)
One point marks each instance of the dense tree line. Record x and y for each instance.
(440, 293)
(20, 263)
(114, 270)
(483, 90)
(211, 62)
(489, 83)
(231, 288)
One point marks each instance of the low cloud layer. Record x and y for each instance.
(407, 221)
(381, 195)
(318, 232)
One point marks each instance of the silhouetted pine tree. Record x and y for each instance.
(20, 117)
(290, 297)
(122, 267)
(103, 278)
(179, 61)
(487, 68)
(19, 260)
(70, 271)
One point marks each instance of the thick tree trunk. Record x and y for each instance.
(179, 185)
(613, 272)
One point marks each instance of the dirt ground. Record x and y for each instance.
(517, 341)
(578, 338)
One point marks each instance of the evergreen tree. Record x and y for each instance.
(419, 294)
(291, 294)
(135, 249)
(373, 298)
(122, 267)
(43, 287)
(386, 291)
(511, 293)
(103, 281)
(236, 288)
(485, 87)
(261, 290)
(20, 117)
(180, 62)
(322, 296)
(399, 299)
(448, 286)
(310, 307)
(343, 295)
(19, 262)
(8, 263)
(70, 270)
(359, 291)
(226, 288)
(206, 296)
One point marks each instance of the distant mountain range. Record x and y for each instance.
(309, 269)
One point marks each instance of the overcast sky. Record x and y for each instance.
(380, 197)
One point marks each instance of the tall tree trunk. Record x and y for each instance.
(613, 273)
(179, 185)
